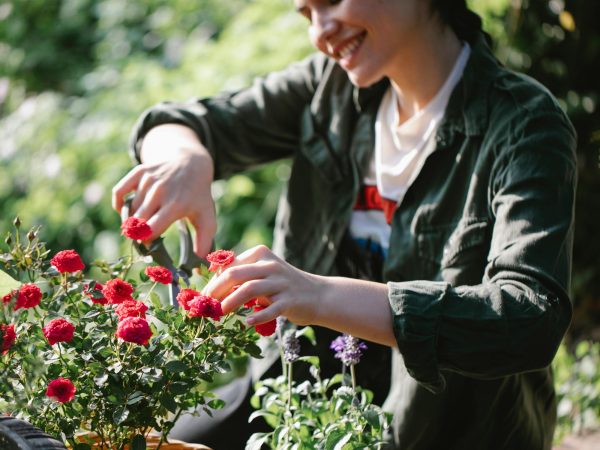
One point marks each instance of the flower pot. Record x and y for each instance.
(151, 443)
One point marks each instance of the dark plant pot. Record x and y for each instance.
(17, 434)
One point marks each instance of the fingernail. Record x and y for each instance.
(250, 320)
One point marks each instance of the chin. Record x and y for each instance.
(362, 80)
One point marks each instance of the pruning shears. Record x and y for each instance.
(188, 260)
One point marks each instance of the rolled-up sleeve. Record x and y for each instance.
(242, 129)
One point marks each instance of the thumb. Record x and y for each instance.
(205, 228)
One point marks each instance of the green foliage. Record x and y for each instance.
(324, 414)
(123, 387)
(578, 388)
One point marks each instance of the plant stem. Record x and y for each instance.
(353, 375)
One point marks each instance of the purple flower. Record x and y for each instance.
(348, 349)
(291, 347)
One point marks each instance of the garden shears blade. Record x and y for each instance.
(156, 249)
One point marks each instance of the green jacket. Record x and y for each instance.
(479, 261)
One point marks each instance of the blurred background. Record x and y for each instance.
(75, 75)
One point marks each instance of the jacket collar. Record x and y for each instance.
(467, 110)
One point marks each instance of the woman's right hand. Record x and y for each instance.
(173, 182)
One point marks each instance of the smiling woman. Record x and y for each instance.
(423, 212)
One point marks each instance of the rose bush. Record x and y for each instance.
(104, 353)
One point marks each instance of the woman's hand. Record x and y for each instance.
(357, 307)
(259, 273)
(173, 182)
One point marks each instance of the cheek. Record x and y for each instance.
(313, 37)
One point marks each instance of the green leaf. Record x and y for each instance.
(7, 283)
(313, 360)
(135, 398)
(308, 333)
(120, 415)
(337, 440)
(217, 403)
(176, 366)
(168, 402)
(256, 441)
(138, 442)
(82, 446)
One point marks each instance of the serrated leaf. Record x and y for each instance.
(7, 283)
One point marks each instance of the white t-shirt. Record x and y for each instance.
(400, 151)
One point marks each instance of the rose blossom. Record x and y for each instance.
(59, 330)
(131, 308)
(267, 328)
(134, 329)
(219, 259)
(29, 296)
(95, 294)
(8, 297)
(117, 291)
(67, 261)
(205, 306)
(8, 337)
(136, 229)
(184, 297)
(62, 390)
(159, 274)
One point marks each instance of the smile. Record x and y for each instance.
(349, 48)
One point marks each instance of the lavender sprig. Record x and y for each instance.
(348, 349)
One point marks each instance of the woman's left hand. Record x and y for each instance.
(282, 288)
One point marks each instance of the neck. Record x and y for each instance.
(420, 73)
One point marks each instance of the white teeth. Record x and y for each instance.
(350, 47)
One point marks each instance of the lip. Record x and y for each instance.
(347, 60)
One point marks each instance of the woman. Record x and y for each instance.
(459, 175)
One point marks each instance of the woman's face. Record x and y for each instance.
(370, 39)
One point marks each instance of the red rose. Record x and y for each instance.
(29, 296)
(134, 329)
(136, 229)
(159, 274)
(62, 390)
(7, 337)
(267, 328)
(184, 297)
(219, 259)
(205, 306)
(95, 295)
(117, 291)
(131, 308)
(59, 330)
(8, 297)
(67, 261)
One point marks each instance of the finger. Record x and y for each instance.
(257, 253)
(263, 289)
(265, 315)
(160, 220)
(205, 227)
(126, 185)
(237, 273)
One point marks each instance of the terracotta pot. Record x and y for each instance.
(151, 442)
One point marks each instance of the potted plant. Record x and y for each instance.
(104, 355)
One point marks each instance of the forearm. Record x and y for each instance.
(169, 141)
(357, 307)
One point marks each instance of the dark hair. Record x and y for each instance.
(455, 13)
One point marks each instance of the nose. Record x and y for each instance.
(323, 26)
